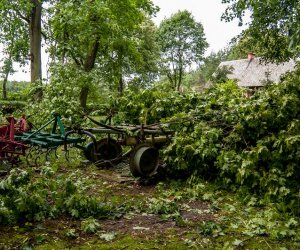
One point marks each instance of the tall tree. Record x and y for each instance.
(210, 65)
(133, 58)
(14, 44)
(207, 73)
(27, 15)
(88, 32)
(274, 26)
(35, 35)
(183, 43)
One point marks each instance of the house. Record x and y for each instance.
(253, 72)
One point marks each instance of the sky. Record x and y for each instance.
(208, 12)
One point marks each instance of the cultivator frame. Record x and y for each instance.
(43, 143)
(10, 148)
(142, 143)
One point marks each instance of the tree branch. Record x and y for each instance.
(26, 19)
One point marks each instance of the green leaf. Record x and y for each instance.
(237, 242)
(108, 236)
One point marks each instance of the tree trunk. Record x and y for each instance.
(121, 86)
(88, 66)
(179, 78)
(35, 44)
(4, 91)
(83, 96)
(7, 68)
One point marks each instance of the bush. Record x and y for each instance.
(251, 143)
(152, 105)
(9, 107)
(26, 196)
(61, 95)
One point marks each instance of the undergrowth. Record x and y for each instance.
(250, 145)
(29, 196)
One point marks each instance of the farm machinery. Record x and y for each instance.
(10, 148)
(16, 138)
(141, 141)
(43, 143)
(138, 143)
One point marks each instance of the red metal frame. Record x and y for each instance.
(10, 150)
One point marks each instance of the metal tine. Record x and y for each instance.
(55, 152)
(37, 157)
(48, 152)
(67, 154)
(45, 151)
(13, 159)
(40, 151)
(29, 154)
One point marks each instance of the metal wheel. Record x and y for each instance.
(144, 160)
(106, 149)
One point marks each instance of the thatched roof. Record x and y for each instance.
(254, 73)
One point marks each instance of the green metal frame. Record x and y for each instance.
(49, 140)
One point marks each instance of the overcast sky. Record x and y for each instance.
(208, 12)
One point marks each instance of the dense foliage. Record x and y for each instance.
(117, 39)
(273, 27)
(47, 195)
(152, 105)
(183, 43)
(63, 96)
(13, 40)
(251, 143)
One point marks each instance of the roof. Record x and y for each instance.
(254, 73)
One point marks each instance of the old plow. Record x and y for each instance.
(139, 143)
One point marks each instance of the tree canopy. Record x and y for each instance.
(182, 41)
(274, 25)
(24, 19)
(13, 39)
(100, 34)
